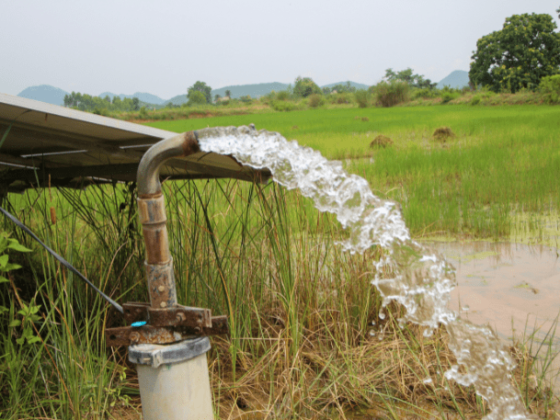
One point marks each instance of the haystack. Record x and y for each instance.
(443, 133)
(380, 141)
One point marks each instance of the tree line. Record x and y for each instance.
(98, 105)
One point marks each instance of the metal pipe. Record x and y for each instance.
(174, 380)
(148, 171)
(151, 208)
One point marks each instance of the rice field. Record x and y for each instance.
(502, 163)
(306, 338)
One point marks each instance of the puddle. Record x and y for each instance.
(515, 288)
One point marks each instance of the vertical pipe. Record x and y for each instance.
(174, 380)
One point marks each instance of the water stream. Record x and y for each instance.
(408, 273)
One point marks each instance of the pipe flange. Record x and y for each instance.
(156, 354)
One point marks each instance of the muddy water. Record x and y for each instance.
(514, 288)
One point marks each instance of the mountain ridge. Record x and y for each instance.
(457, 79)
(55, 96)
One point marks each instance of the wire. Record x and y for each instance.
(62, 260)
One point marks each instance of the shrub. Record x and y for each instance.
(341, 98)
(283, 106)
(101, 111)
(196, 98)
(424, 93)
(393, 93)
(246, 99)
(283, 95)
(143, 114)
(475, 100)
(361, 98)
(305, 87)
(315, 100)
(448, 96)
(550, 89)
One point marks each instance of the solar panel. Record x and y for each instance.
(49, 144)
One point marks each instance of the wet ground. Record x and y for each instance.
(512, 287)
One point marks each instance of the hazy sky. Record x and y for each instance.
(162, 47)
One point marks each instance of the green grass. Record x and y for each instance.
(504, 160)
(300, 310)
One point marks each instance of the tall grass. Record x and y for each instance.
(305, 326)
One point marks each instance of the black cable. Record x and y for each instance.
(62, 260)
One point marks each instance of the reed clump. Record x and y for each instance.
(307, 338)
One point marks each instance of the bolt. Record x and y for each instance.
(197, 329)
(180, 317)
(161, 288)
(163, 304)
(134, 337)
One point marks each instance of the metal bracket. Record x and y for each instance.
(165, 326)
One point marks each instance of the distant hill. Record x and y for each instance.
(255, 91)
(144, 97)
(44, 93)
(356, 85)
(179, 99)
(456, 79)
(53, 95)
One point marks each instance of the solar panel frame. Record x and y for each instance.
(67, 147)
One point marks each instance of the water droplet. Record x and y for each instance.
(372, 322)
(372, 333)
(381, 315)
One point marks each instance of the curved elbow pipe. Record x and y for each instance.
(151, 209)
(148, 171)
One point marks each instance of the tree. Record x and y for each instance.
(202, 88)
(343, 88)
(196, 97)
(217, 97)
(306, 86)
(413, 80)
(519, 56)
(135, 104)
(228, 94)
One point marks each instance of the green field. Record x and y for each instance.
(502, 164)
(307, 341)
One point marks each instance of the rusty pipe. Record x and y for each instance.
(151, 209)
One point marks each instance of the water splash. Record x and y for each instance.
(408, 273)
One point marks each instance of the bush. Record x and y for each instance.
(425, 93)
(143, 114)
(341, 98)
(390, 94)
(448, 96)
(101, 111)
(315, 100)
(283, 106)
(549, 87)
(196, 98)
(305, 86)
(475, 100)
(283, 95)
(246, 99)
(361, 98)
